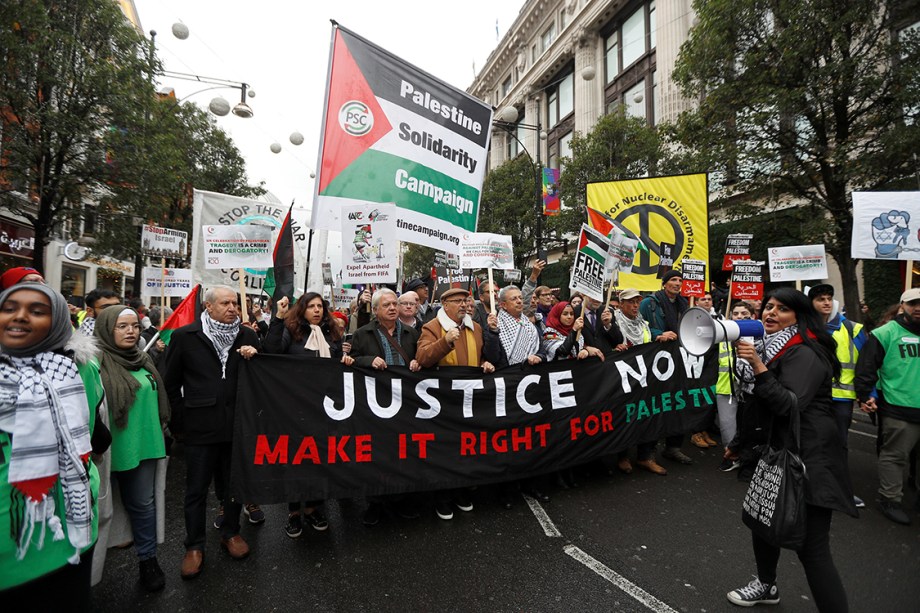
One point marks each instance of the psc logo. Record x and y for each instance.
(356, 118)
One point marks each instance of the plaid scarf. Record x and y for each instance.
(390, 355)
(43, 405)
(221, 336)
(519, 337)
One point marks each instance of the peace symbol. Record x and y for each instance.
(645, 212)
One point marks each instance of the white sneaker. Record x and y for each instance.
(754, 593)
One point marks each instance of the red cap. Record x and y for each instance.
(15, 275)
(340, 315)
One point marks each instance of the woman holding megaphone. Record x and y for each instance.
(792, 371)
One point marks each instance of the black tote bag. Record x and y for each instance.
(774, 505)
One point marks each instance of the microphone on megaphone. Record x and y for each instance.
(698, 330)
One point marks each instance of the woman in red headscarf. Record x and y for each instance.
(561, 335)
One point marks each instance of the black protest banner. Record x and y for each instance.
(311, 428)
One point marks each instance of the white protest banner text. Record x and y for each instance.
(797, 263)
(485, 250)
(178, 282)
(211, 208)
(247, 246)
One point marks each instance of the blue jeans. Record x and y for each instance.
(137, 494)
(203, 463)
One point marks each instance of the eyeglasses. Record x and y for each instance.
(124, 327)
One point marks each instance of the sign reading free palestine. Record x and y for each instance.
(395, 134)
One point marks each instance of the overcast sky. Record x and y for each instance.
(281, 49)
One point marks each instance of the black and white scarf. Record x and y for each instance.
(221, 336)
(633, 329)
(519, 337)
(767, 348)
(43, 406)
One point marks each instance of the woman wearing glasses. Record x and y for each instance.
(138, 412)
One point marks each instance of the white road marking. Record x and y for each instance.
(549, 528)
(863, 434)
(618, 580)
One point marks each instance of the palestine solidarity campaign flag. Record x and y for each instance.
(395, 134)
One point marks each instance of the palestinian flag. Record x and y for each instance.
(605, 225)
(392, 133)
(279, 279)
(188, 311)
(593, 244)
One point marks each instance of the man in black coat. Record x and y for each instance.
(200, 372)
(385, 342)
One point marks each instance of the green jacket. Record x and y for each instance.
(54, 554)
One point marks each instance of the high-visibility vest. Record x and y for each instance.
(724, 382)
(843, 388)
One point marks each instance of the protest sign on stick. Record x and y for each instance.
(799, 263)
(747, 280)
(694, 275)
(588, 270)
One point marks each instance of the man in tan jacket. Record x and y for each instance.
(452, 338)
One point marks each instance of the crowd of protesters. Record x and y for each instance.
(90, 401)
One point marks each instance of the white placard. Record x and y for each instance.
(342, 297)
(621, 253)
(801, 262)
(239, 246)
(485, 250)
(178, 282)
(370, 251)
(589, 268)
(164, 242)
(885, 226)
(512, 276)
(211, 208)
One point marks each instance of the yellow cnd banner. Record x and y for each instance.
(658, 210)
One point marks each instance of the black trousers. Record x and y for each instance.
(815, 556)
(65, 589)
(203, 463)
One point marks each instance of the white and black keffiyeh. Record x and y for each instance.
(221, 336)
(88, 326)
(767, 348)
(519, 337)
(43, 406)
(633, 329)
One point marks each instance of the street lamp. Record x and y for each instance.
(218, 106)
(506, 119)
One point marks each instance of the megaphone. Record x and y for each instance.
(698, 330)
